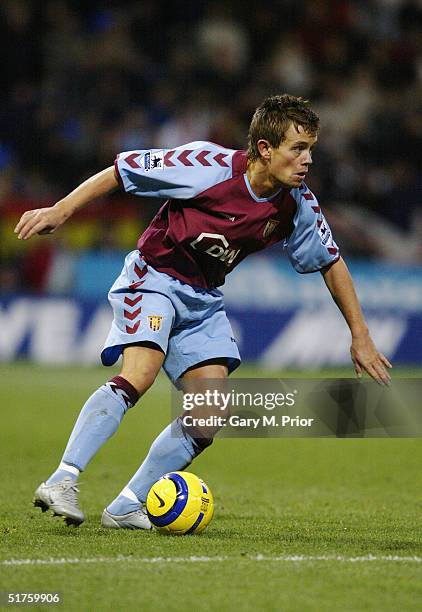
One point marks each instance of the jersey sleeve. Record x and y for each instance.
(179, 173)
(311, 245)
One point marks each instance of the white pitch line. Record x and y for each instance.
(341, 558)
(194, 559)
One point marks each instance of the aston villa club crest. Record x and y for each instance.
(155, 322)
(269, 228)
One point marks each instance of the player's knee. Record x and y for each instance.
(141, 378)
(221, 372)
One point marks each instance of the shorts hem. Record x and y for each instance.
(232, 363)
(111, 354)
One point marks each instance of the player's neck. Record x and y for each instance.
(262, 183)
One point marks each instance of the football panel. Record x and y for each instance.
(161, 497)
(207, 509)
(175, 512)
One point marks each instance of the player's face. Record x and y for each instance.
(289, 163)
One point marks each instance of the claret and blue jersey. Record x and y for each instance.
(212, 219)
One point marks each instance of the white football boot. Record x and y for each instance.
(133, 520)
(62, 498)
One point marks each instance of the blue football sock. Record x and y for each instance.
(124, 503)
(171, 451)
(63, 471)
(98, 420)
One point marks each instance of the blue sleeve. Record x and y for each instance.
(179, 173)
(311, 245)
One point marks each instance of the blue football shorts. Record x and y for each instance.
(188, 323)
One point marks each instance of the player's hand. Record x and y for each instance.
(366, 358)
(40, 221)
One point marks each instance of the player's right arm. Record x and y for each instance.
(179, 173)
(47, 220)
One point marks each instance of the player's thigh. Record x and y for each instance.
(208, 376)
(203, 349)
(142, 311)
(141, 364)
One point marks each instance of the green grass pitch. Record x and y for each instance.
(300, 524)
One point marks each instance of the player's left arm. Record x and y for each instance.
(365, 355)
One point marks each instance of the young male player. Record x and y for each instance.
(222, 205)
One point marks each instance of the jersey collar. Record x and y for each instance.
(255, 197)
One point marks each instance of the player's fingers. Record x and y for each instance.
(41, 228)
(19, 225)
(25, 230)
(32, 228)
(374, 374)
(381, 369)
(383, 374)
(384, 360)
(358, 369)
(378, 373)
(23, 220)
(26, 223)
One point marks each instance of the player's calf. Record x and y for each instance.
(97, 422)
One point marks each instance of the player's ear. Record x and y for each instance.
(264, 149)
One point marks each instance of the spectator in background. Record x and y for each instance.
(101, 79)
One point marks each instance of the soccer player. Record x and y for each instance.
(168, 312)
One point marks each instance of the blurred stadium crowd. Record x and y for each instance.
(85, 80)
